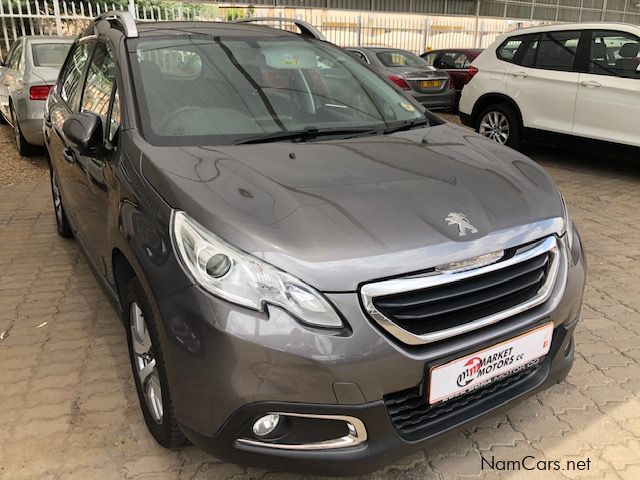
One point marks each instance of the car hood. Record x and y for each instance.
(342, 212)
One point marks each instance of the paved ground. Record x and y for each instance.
(67, 403)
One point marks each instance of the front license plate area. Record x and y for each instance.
(482, 368)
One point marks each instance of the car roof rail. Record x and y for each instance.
(124, 18)
(306, 29)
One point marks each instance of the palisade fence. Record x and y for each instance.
(417, 33)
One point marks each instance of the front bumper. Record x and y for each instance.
(384, 444)
(228, 366)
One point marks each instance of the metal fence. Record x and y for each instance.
(417, 33)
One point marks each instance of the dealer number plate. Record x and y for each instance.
(482, 368)
(430, 83)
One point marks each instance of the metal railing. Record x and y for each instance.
(416, 33)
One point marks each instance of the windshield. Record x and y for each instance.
(399, 58)
(49, 54)
(206, 90)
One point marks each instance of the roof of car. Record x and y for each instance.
(465, 50)
(379, 49)
(148, 29)
(573, 26)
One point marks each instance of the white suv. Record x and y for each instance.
(581, 80)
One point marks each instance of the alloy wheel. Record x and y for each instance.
(57, 200)
(145, 362)
(16, 128)
(495, 125)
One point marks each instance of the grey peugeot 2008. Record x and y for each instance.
(315, 273)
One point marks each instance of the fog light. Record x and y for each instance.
(266, 425)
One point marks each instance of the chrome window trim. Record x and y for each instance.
(357, 435)
(361, 53)
(401, 285)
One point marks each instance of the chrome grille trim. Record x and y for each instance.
(370, 291)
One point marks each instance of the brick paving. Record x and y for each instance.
(67, 403)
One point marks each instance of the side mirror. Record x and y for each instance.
(85, 133)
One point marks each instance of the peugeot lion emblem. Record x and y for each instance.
(461, 221)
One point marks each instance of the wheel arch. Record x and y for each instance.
(123, 273)
(492, 99)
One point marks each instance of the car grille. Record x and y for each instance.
(414, 418)
(449, 305)
(441, 305)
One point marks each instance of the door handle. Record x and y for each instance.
(520, 74)
(68, 155)
(590, 84)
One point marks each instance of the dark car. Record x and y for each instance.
(314, 272)
(455, 62)
(427, 85)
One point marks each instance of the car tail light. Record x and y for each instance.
(470, 74)
(401, 82)
(39, 92)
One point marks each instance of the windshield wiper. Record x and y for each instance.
(408, 126)
(307, 134)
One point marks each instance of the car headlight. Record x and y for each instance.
(243, 279)
(568, 223)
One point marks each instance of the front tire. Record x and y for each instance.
(25, 149)
(147, 364)
(501, 124)
(62, 224)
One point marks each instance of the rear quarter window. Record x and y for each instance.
(507, 51)
(520, 50)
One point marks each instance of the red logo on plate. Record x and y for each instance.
(468, 375)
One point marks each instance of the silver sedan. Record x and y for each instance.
(29, 72)
(431, 87)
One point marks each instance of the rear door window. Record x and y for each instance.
(546, 50)
(557, 51)
(615, 54)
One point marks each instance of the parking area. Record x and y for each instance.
(68, 408)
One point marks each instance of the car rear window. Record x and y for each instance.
(398, 58)
(49, 54)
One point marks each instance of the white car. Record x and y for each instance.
(581, 80)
